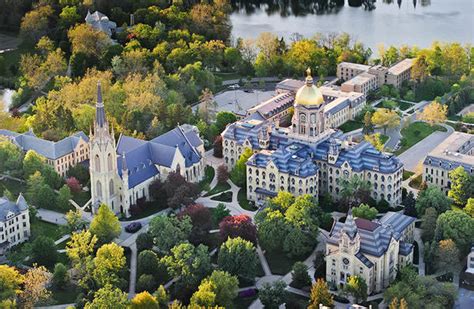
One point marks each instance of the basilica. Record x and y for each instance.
(310, 156)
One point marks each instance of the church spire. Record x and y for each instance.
(350, 227)
(100, 119)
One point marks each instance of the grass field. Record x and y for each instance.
(243, 201)
(223, 197)
(220, 187)
(407, 174)
(39, 227)
(414, 133)
(383, 138)
(209, 173)
(280, 263)
(351, 125)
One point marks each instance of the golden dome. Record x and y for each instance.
(309, 94)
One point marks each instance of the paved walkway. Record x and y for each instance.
(421, 250)
(417, 153)
(51, 216)
(133, 271)
(264, 262)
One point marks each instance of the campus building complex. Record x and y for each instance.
(373, 250)
(364, 78)
(122, 172)
(61, 155)
(310, 156)
(14, 223)
(101, 22)
(456, 150)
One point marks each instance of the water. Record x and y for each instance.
(6, 96)
(412, 22)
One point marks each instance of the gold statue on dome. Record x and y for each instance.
(308, 72)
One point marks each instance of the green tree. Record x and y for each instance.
(10, 281)
(149, 263)
(458, 226)
(239, 174)
(469, 209)
(87, 40)
(205, 296)
(43, 251)
(168, 232)
(272, 295)
(60, 276)
(432, 197)
(299, 275)
(80, 251)
(108, 297)
(238, 257)
(447, 256)
(144, 300)
(428, 224)
(146, 283)
(63, 198)
(189, 263)
(108, 263)
(219, 213)
(11, 157)
(365, 211)
(35, 23)
(462, 186)
(162, 297)
(320, 295)
(74, 220)
(223, 119)
(355, 190)
(33, 162)
(357, 287)
(386, 119)
(105, 225)
(68, 16)
(219, 286)
(144, 242)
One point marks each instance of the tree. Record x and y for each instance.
(146, 283)
(469, 209)
(60, 276)
(144, 242)
(357, 287)
(396, 305)
(63, 197)
(368, 126)
(105, 225)
(320, 295)
(238, 226)
(410, 202)
(35, 23)
(74, 220)
(458, 226)
(108, 297)
(162, 297)
(386, 119)
(239, 174)
(189, 263)
(462, 186)
(79, 250)
(432, 197)
(149, 264)
(225, 287)
(201, 220)
(204, 296)
(272, 295)
(178, 191)
(222, 174)
(299, 275)
(39, 193)
(144, 300)
(43, 251)
(219, 213)
(375, 140)
(87, 40)
(10, 281)
(108, 263)
(34, 289)
(355, 190)
(428, 224)
(168, 232)
(365, 211)
(38, 70)
(433, 113)
(217, 152)
(73, 184)
(238, 257)
(447, 256)
(33, 162)
(223, 119)
(11, 157)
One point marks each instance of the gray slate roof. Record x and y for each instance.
(7, 206)
(48, 149)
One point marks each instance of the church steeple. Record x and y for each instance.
(100, 119)
(350, 227)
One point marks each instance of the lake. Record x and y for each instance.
(412, 22)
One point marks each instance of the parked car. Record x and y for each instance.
(133, 227)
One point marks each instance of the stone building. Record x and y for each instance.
(14, 223)
(373, 250)
(61, 155)
(456, 150)
(309, 157)
(122, 172)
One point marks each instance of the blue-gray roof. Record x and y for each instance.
(364, 259)
(48, 149)
(7, 206)
(448, 164)
(141, 157)
(398, 222)
(405, 248)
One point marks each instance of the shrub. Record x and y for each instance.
(73, 184)
(144, 242)
(300, 275)
(146, 283)
(238, 226)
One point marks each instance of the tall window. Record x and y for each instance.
(109, 162)
(99, 189)
(97, 163)
(111, 187)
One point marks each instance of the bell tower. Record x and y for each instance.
(103, 160)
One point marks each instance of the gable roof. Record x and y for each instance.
(7, 206)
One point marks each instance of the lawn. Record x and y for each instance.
(39, 227)
(351, 125)
(209, 173)
(416, 182)
(280, 263)
(404, 105)
(15, 187)
(244, 202)
(296, 301)
(407, 174)
(148, 209)
(220, 187)
(223, 197)
(82, 197)
(416, 132)
(383, 138)
(65, 296)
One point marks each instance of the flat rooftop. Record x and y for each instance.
(360, 79)
(401, 67)
(455, 148)
(355, 66)
(336, 92)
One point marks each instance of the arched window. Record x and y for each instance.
(97, 163)
(109, 162)
(99, 189)
(111, 187)
(313, 118)
(302, 118)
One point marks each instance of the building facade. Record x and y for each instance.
(101, 22)
(14, 223)
(61, 155)
(309, 157)
(373, 250)
(456, 150)
(122, 172)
